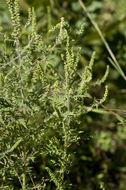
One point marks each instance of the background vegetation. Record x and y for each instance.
(99, 160)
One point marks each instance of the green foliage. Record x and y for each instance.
(40, 107)
(96, 149)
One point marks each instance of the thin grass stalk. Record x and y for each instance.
(115, 62)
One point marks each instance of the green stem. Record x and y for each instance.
(115, 62)
(24, 174)
(23, 182)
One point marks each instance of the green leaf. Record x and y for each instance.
(16, 144)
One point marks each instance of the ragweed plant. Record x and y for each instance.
(40, 106)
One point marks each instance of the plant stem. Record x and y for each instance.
(115, 62)
(24, 175)
(23, 181)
